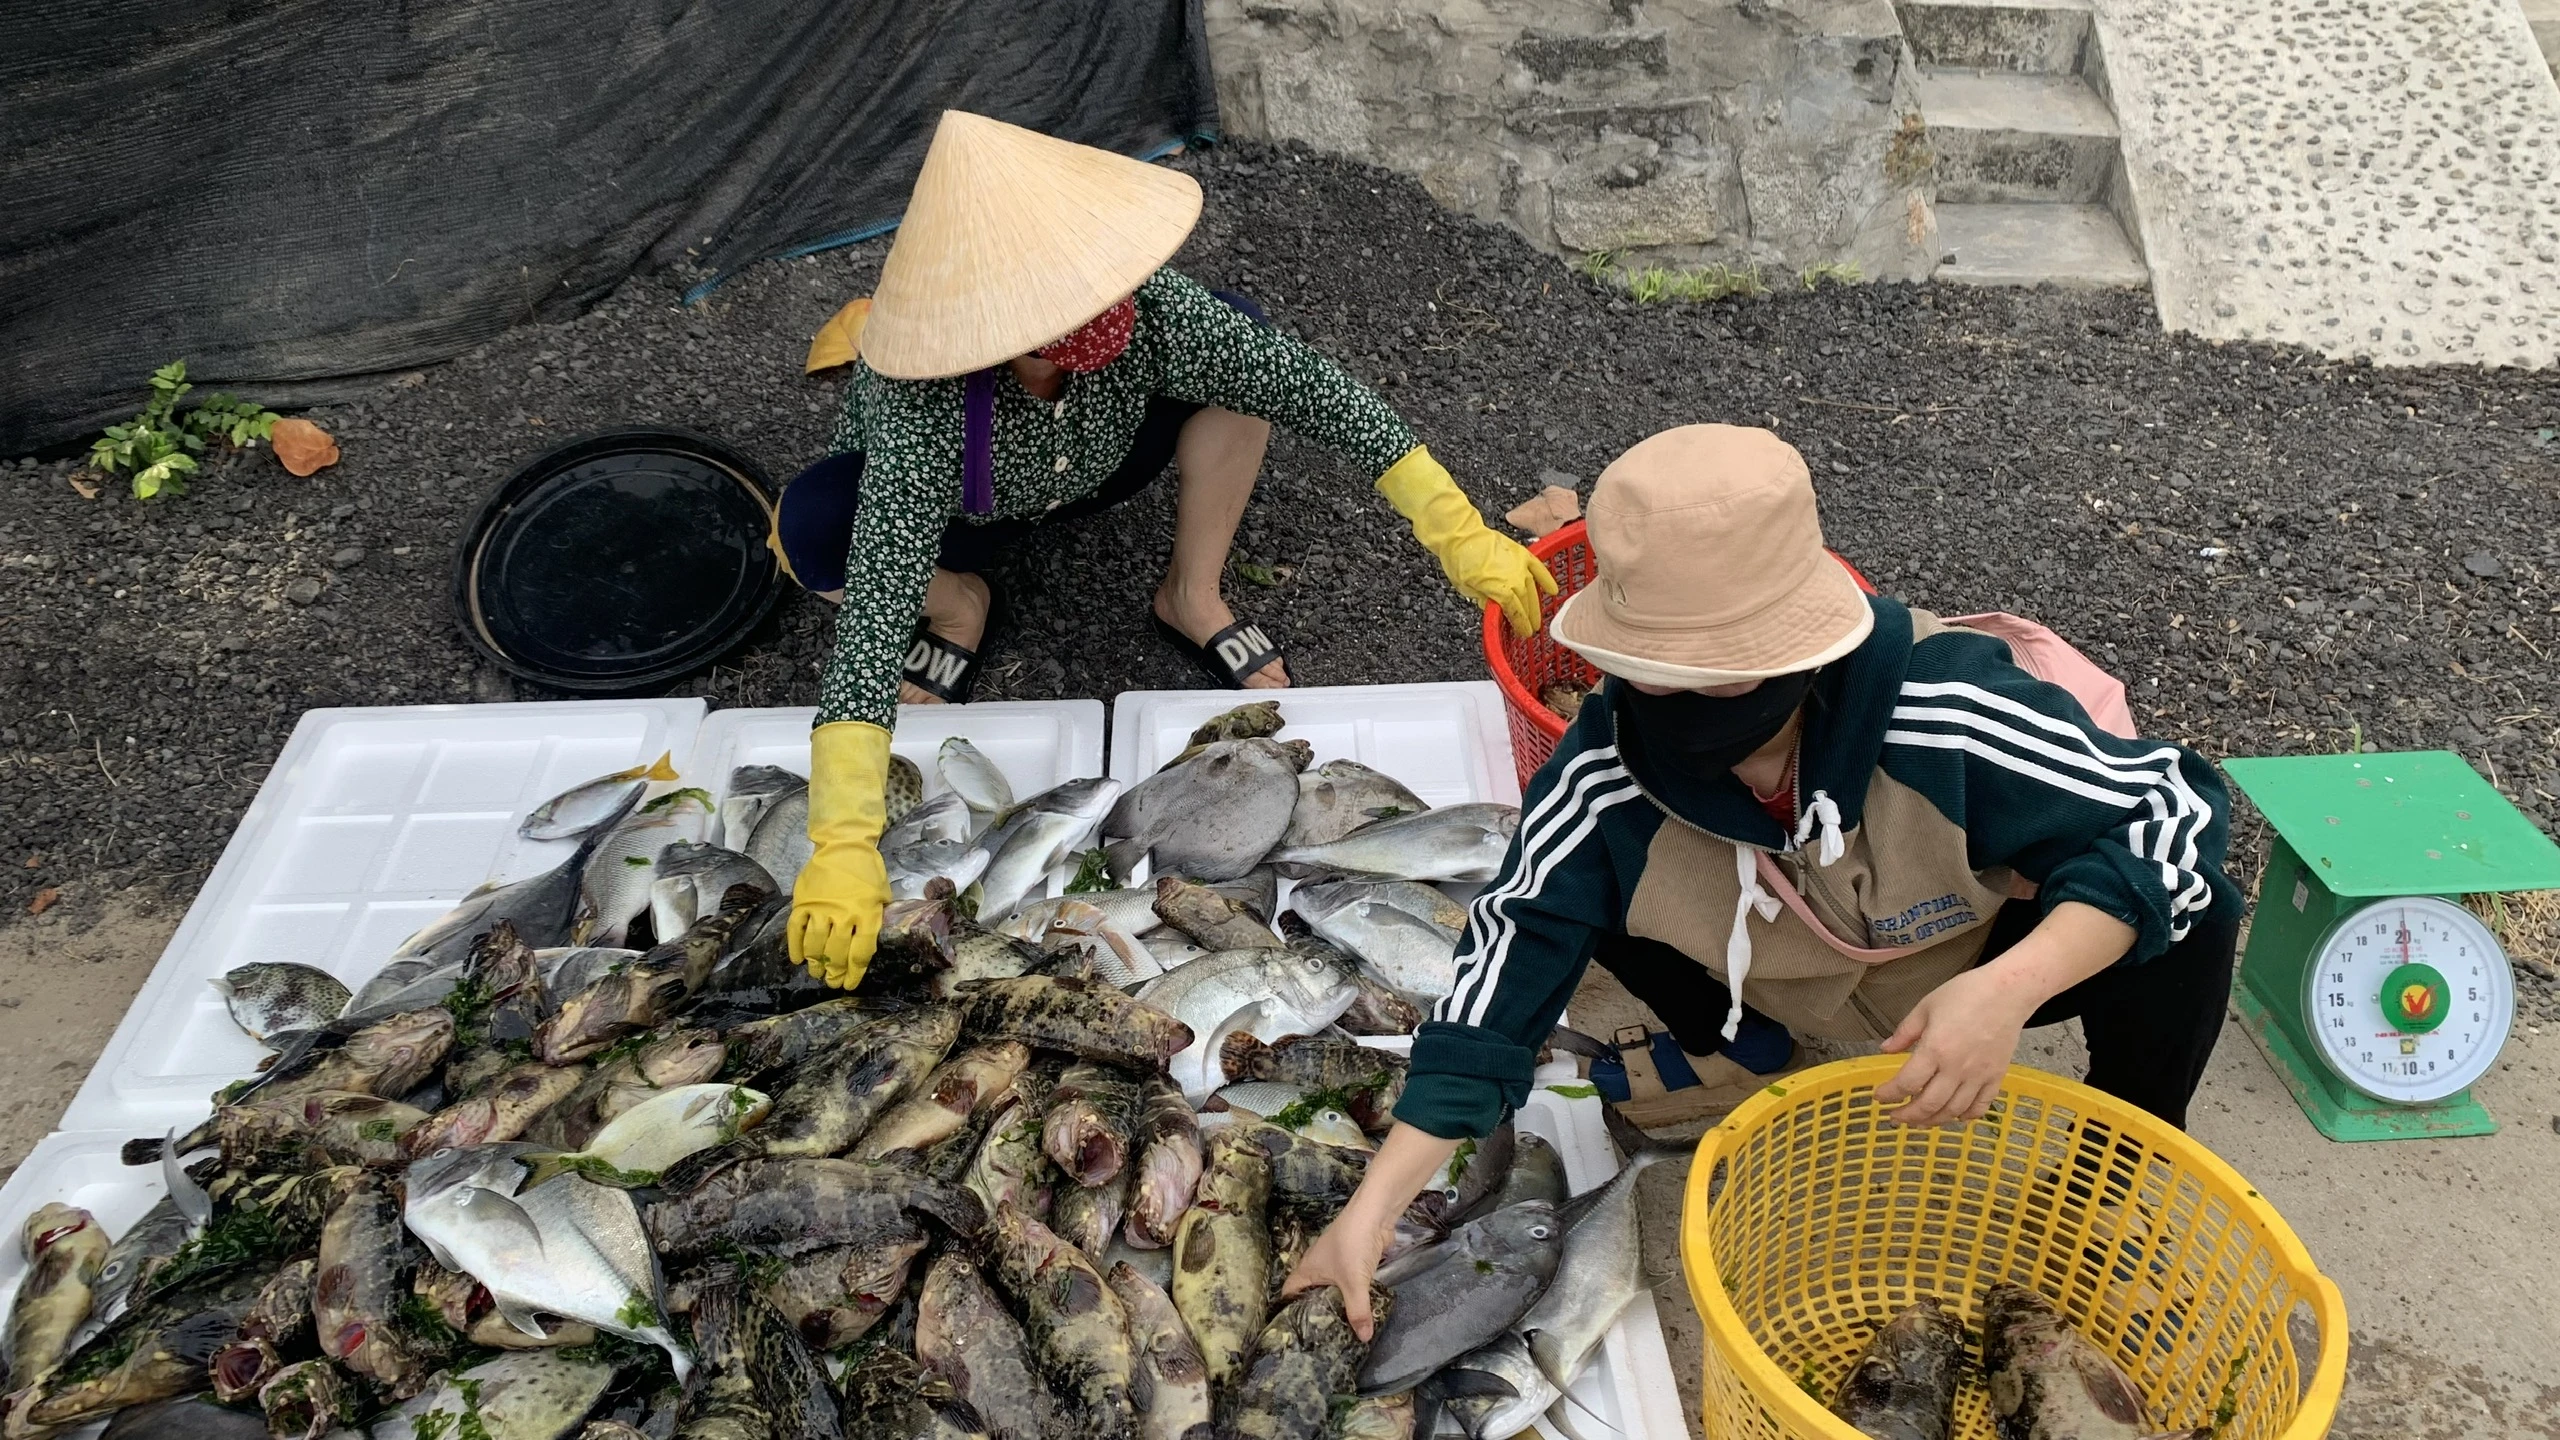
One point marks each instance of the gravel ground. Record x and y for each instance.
(2280, 554)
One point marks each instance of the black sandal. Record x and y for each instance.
(1231, 656)
(944, 669)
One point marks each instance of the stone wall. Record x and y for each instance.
(1779, 133)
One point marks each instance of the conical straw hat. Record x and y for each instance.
(1011, 240)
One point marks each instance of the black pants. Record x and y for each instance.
(2150, 1027)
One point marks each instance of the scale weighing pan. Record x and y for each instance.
(619, 560)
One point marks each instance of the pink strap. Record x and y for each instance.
(1775, 881)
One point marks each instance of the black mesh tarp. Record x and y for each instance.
(295, 194)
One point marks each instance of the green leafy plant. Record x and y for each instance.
(1093, 873)
(1829, 272)
(159, 446)
(1657, 285)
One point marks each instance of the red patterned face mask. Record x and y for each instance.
(1097, 342)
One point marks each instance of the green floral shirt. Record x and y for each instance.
(1189, 345)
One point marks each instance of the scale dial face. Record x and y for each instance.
(2409, 1000)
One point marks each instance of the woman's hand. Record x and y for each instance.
(1346, 1255)
(1961, 1037)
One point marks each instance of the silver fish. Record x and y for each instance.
(2050, 1382)
(1455, 842)
(544, 910)
(968, 773)
(582, 808)
(1131, 912)
(752, 790)
(915, 867)
(1282, 992)
(1339, 796)
(1601, 1270)
(1462, 1293)
(273, 997)
(1472, 1389)
(568, 1248)
(1211, 817)
(663, 1129)
(780, 841)
(1411, 954)
(688, 880)
(1039, 834)
(615, 889)
(1274, 1101)
(944, 817)
(570, 969)
(145, 1246)
(1171, 949)
(527, 1395)
(1116, 955)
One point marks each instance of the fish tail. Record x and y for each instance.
(663, 768)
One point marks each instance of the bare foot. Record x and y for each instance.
(1200, 616)
(955, 608)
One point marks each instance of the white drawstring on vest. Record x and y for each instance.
(1820, 811)
(1737, 947)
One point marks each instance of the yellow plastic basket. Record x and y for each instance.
(1811, 1219)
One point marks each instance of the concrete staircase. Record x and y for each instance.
(2030, 182)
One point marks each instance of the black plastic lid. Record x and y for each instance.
(619, 560)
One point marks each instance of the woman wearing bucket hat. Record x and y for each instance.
(1027, 358)
(1795, 809)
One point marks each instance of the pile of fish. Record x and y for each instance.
(2046, 1380)
(589, 1156)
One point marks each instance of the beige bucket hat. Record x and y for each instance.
(1709, 565)
(1013, 239)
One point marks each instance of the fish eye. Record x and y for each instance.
(1537, 1232)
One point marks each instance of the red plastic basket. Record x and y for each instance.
(1525, 668)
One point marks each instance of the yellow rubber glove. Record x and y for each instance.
(1485, 567)
(836, 902)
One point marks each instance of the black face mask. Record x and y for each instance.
(1705, 735)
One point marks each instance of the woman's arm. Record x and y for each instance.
(1346, 1255)
(1211, 353)
(1963, 1035)
(910, 489)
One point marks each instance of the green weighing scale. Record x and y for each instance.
(2375, 994)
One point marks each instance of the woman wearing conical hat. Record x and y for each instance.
(1027, 359)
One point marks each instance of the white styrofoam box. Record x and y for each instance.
(371, 823)
(1036, 743)
(1628, 1387)
(1447, 743)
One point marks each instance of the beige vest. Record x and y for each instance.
(1902, 885)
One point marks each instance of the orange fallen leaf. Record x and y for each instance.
(840, 339)
(304, 448)
(1548, 511)
(87, 490)
(44, 899)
